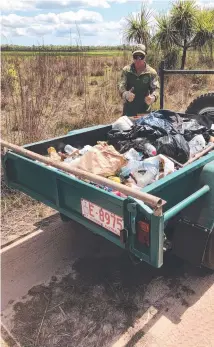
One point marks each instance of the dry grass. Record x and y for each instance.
(46, 96)
(181, 90)
(20, 214)
(40, 94)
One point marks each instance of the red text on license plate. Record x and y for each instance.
(99, 215)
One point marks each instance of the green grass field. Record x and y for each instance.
(89, 53)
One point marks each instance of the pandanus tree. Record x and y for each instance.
(185, 27)
(137, 28)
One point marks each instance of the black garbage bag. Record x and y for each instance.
(138, 144)
(146, 131)
(166, 121)
(119, 139)
(123, 146)
(135, 138)
(191, 128)
(174, 146)
(118, 135)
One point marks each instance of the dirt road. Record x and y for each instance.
(63, 286)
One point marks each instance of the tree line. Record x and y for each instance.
(62, 48)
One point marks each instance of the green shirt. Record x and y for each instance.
(144, 84)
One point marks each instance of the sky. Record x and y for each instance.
(68, 22)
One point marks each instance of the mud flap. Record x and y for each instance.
(190, 241)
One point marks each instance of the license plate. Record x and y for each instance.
(99, 215)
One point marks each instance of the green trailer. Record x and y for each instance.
(185, 227)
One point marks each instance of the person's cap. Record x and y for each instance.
(139, 49)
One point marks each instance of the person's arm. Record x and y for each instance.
(124, 93)
(154, 87)
(123, 83)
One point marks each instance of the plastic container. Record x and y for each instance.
(149, 150)
(122, 123)
(69, 149)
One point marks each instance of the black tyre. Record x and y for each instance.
(208, 260)
(203, 109)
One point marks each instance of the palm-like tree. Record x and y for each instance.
(205, 33)
(184, 27)
(137, 28)
(164, 37)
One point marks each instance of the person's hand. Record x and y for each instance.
(129, 95)
(149, 99)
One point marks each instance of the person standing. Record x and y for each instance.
(139, 84)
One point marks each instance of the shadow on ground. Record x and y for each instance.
(103, 296)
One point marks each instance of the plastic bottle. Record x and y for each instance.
(53, 154)
(69, 149)
(149, 150)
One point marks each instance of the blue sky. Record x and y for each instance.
(100, 22)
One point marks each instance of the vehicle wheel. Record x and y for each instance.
(203, 108)
(208, 260)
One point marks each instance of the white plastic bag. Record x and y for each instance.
(132, 154)
(197, 144)
(168, 165)
(122, 123)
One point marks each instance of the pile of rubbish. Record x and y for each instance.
(137, 154)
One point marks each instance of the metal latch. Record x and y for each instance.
(132, 208)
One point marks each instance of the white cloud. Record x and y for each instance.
(96, 29)
(204, 4)
(88, 23)
(59, 4)
(208, 5)
(14, 21)
(54, 19)
(62, 25)
(17, 5)
(148, 2)
(39, 30)
(24, 5)
(80, 16)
